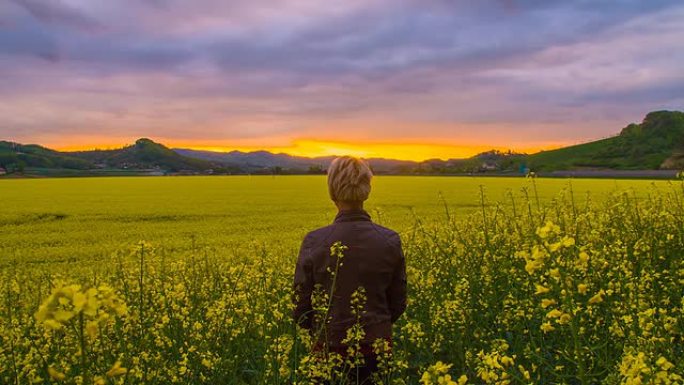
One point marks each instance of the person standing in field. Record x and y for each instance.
(372, 263)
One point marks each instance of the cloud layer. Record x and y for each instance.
(250, 73)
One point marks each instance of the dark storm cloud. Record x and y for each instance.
(297, 58)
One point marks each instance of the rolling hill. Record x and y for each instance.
(655, 143)
(144, 154)
(15, 155)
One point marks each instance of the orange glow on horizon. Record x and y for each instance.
(316, 148)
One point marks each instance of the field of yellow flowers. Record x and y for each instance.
(544, 285)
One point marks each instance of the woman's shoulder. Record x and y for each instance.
(317, 236)
(391, 236)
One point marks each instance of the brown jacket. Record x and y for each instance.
(373, 260)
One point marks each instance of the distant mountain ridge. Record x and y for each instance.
(655, 143)
(256, 160)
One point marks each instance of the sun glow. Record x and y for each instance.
(400, 151)
(316, 148)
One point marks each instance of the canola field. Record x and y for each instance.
(156, 280)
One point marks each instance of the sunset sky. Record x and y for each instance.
(410, 79)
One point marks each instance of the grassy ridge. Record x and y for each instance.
(658, 142)
(15, 156)
(144, 154)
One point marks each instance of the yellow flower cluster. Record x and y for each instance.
(635, 369)
(438, 374)
(96, 305)
(498, 368)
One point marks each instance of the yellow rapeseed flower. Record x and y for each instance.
(52, 324)
(598, 298)
(541, 289)
(63, 315)
(91, 329)
(532, 266)
(555, 273)
(664, 364)
(437, 374)
(549, 229)
(568, 242)
(79, 299)
(582, 288)
(583, 257)
(117, 370)
(441, 367)
(56, 374)
(547, 302)
(555, 313)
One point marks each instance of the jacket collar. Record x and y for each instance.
(352, 216)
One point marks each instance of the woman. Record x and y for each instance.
(372, 259)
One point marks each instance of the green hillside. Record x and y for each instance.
(658, 142)
(14, 156)
(144, 154)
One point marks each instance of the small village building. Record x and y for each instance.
(488, 166)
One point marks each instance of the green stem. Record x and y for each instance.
(330, 298)
(81, 336)
(142, 306)
(11, 338)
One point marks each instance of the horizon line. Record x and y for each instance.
(311, 148)
(314, 148)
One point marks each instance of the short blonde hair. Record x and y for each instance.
(349, 179)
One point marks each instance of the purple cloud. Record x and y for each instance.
(555, 70)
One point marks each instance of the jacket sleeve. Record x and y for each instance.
(303, 287)
(397, 290)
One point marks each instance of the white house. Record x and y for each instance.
(488, 166)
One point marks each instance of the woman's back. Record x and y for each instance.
(372, 263)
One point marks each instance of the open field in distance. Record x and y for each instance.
(86, 219)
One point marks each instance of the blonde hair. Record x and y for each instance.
(349, 179)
